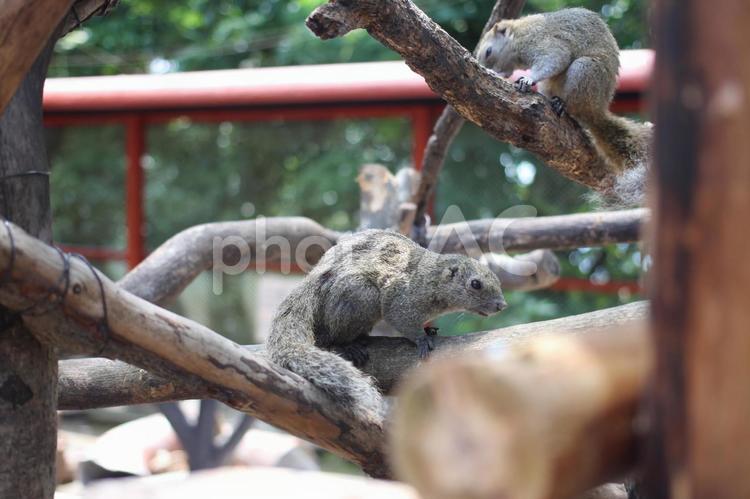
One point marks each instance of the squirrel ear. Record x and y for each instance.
(502, 31)
(454, 271)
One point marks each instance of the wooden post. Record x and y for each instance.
(25, 27)
(700, 409)
(28, 368)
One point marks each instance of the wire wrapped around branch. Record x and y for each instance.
(101, 315)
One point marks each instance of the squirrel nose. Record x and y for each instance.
(501, 305)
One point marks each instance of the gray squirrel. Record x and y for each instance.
(574, 60)
(369, 276)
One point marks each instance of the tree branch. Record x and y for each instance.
(560, 232)
(478, 94)
(96, 383)
(103, 315)
(169, 269)
(83, 10)
(449, 124)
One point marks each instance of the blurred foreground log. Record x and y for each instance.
(547, 419)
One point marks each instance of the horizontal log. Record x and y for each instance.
(102, 314)
(169, 269)
(561, 232)
(547, 419)
(96, 383)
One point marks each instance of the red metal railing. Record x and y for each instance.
(299, 93)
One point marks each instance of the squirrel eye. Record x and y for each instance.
(488, 52)
(476, 284)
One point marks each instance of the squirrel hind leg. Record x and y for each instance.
(586, 87)
(355, 352)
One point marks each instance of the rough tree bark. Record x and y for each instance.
(700, 406)
(478, 94)
(559, 232)
(28, 368)
(25, 28)
(447, 127)
(83, 10)
(95, 314)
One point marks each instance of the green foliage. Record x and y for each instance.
(239, 170)
(155, 36)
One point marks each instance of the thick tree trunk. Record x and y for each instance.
(700, 409)
(28, 369)
(25, 27)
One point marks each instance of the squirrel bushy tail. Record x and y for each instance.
(291, 345)
(332, 374)
(625, 144)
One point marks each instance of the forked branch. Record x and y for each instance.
(477, 93)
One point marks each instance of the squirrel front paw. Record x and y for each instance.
(425, 345)
(524, 84)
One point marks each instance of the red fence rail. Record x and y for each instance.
(298, 93)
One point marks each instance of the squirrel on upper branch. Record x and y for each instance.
(574, 60)
(369, 276)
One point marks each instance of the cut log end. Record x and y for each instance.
(550, 421)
